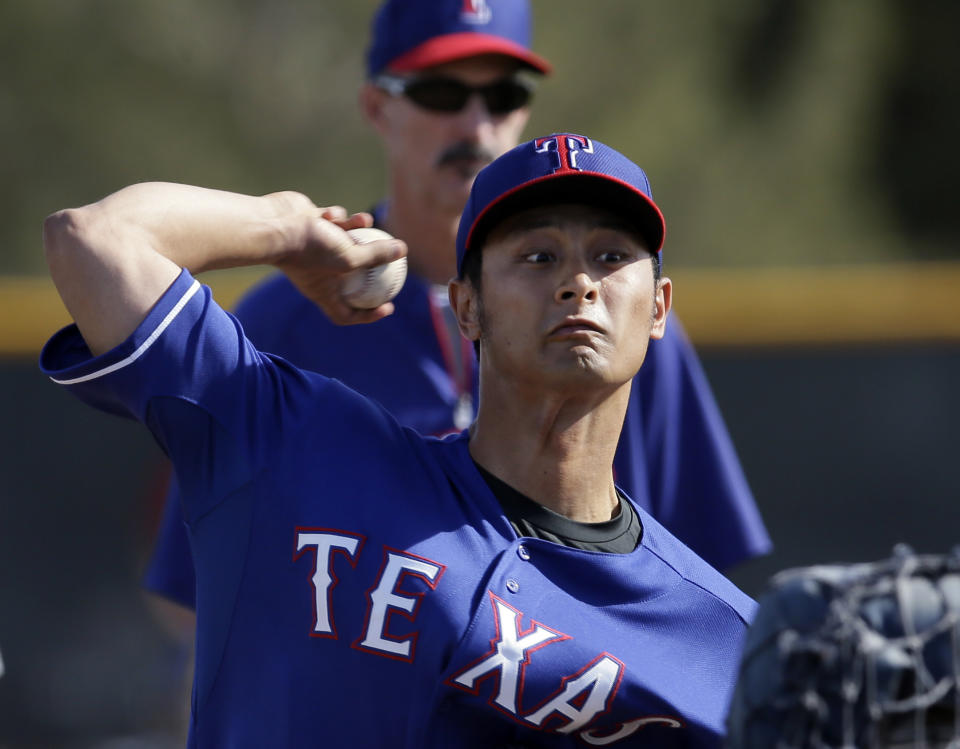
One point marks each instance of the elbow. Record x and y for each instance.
(58, 230)
(63, 233)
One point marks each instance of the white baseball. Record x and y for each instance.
(368, 288)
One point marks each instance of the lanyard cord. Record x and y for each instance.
(459, 369)
(459, 364)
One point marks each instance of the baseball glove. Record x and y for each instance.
(864, 655)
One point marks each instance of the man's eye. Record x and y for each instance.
(612, 256)
(540, 256)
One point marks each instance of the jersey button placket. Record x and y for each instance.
(511, 583)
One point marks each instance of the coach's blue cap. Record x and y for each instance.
(559, 168)
(410, 35)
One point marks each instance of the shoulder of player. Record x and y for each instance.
(694, 571)
(672, 371)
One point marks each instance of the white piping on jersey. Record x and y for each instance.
(142, 348)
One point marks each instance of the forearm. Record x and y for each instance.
(201, 229)
(113, 259)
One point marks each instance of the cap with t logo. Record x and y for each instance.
(559, 168)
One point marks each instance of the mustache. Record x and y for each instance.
(465, 151)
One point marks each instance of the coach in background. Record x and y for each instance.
(361, 585)
(448, 89)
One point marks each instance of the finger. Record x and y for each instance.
(360, 220)
(379, 252)
(334, 244)
(341, 313)
(372, 315)
(333, 213)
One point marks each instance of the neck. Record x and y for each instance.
(430, 236)
(558, 450)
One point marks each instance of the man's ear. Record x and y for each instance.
(371, 100)
(663, 300)
(465, 303)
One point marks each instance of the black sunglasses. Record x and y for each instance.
(440, 94)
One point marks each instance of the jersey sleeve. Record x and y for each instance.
(213, 403)
(269, 314)
(676, 457)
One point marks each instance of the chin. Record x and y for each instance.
(582, 369)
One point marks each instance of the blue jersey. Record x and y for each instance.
(359, 585)
(675, 456)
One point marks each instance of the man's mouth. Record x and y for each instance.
(573, 326)
(465, 156)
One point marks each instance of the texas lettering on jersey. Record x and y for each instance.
(580, 698)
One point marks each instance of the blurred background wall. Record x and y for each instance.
(804, 156)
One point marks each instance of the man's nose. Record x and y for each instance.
(577, 286)
(475, 117)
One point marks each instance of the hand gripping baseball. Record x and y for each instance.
(325, 255)
(368, 288)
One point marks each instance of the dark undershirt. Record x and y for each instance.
(619, 535)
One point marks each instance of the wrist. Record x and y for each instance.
(288, 217)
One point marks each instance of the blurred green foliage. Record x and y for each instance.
(775, 131)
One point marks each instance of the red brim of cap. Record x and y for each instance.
(451, 47)
(587, 188)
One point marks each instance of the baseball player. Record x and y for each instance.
(359, 584)
(448, 89)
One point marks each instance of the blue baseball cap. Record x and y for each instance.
(559, 168)
(409, 35)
